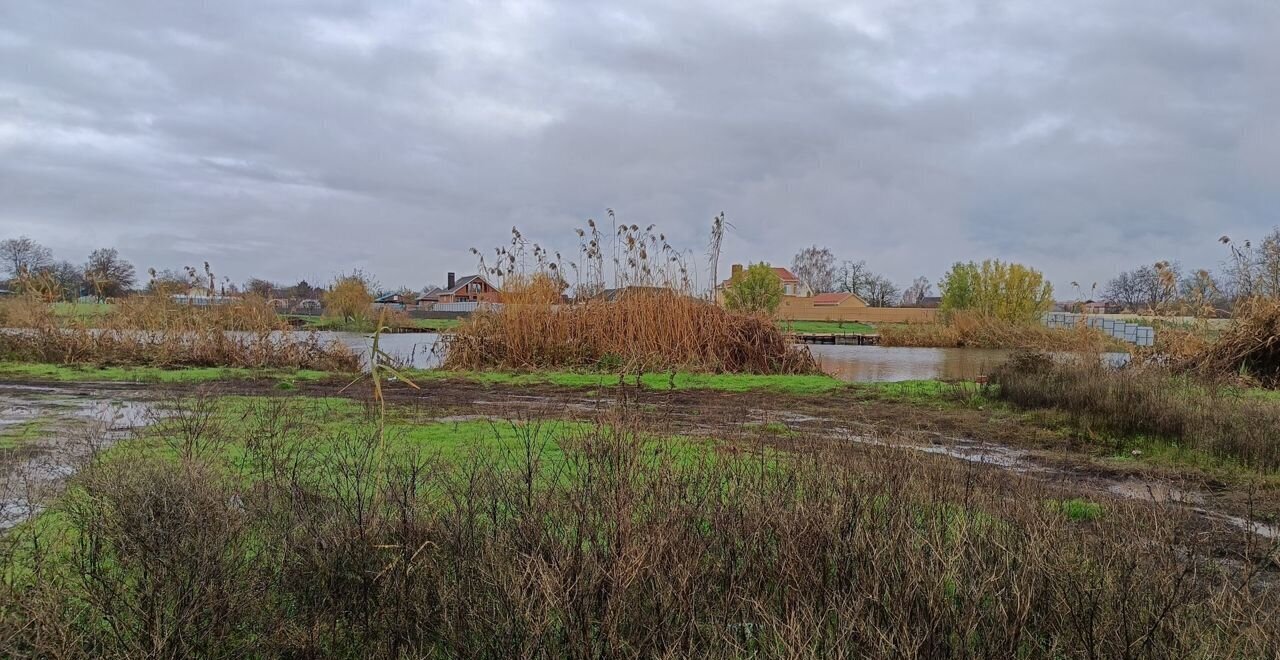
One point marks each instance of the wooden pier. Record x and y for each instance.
(835, 338)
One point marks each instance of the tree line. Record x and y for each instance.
(30, 268)
(1250, 271)
(819, 269)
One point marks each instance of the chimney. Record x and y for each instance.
(736, 271)
(452, 279)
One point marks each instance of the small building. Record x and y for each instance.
(472, 288)
(308, 306)
(428, 299)
(927, 302)
(844, 299)
(397, 301)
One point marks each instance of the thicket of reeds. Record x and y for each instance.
(971, 330)
(648, 318)
(1248, 350)
(614, 548)
(1148, 400)
(156, 331)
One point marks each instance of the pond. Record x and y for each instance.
(859, 364)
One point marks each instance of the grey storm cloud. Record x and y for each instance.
(301, 138)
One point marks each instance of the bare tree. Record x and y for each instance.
(1124, 290)
(68, 278)
(108, 274)
(22, 255)
(919, 290)
(853, 277)
(816, 268)
(881, 292)
(259, 286)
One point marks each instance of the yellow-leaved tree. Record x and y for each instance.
(996, 289)
(350, 298)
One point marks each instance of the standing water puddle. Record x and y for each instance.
(47, 434)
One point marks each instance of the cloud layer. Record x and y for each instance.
(300, 138)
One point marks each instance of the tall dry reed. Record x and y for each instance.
(156, 331)
(967, 330)
(648, 319)
(649, 330)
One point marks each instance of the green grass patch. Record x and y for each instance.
(801, 385)
(81, 310)
(90, 373)
(827, 327)
(1076, 509)
(14, 435)
(932, 392)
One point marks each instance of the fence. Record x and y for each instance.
(1138, 335)
(802, 309)
(465, 306)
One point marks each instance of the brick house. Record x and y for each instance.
(791, 285)
(472, 288)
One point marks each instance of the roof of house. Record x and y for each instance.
(834, 298)
(433, 294)
(785, 275)
(462, 282)
(389, 298)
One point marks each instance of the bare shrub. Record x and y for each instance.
(626, 548)
(1148, 400)
(973, 330)
(156, 331)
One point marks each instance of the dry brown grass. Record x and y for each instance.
(1149, 401)
(965, 330)
(1249, 350)
(611, 549)
(649, 330)
(156, 331)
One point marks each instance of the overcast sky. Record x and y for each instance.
(300, 138)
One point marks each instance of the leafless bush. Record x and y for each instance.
(603, 542)
(1149, 401)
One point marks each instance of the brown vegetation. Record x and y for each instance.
(1248, 350)
(618, 548)
(652, 322)
(650, 330)
(972, 330)
(156, 331)
(1148, 401)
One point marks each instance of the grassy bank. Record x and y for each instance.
(790, 384)
(1149, 403)
(89, 373)
(825, 327)
(368, 325)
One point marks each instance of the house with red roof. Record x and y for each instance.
(791, 285)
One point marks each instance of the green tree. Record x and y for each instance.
(1006, 291)
(754, 290)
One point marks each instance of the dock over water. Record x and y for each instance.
(835, 338)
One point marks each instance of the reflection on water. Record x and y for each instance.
(864, 364)
(851, 363)
(410, 348)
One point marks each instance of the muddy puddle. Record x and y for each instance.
(47, 434)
